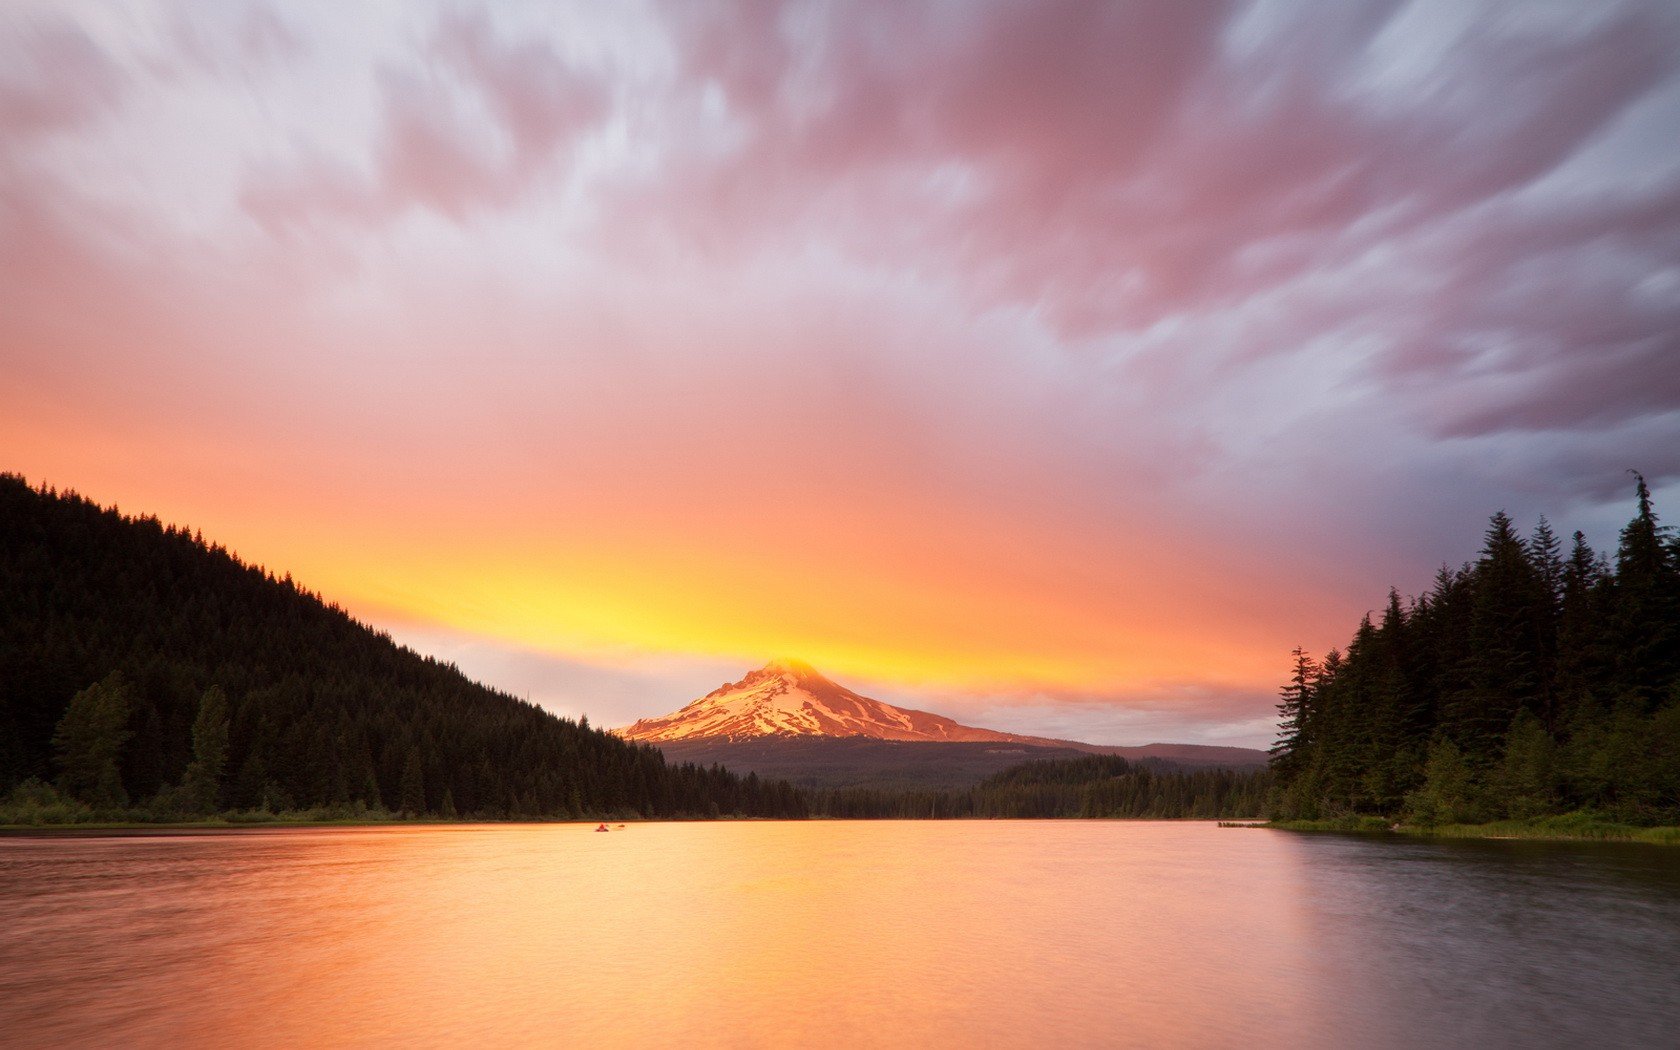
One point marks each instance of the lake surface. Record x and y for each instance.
(1064, 933)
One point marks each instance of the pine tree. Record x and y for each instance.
(1581, 643)
(370, 794)
(1504, 661)
(1294, 713)
(89, 741)
(1447, 793)
(1547, 552)
(203, 783)
(1647, 639)
(413, 792)
(1398, 714)
(1527, 785)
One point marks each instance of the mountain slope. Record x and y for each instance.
(323, 710)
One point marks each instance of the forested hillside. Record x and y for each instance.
(915, 765)
(1533, 681)
(1085, 786)
(143, 669)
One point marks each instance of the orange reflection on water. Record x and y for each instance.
(793, 934)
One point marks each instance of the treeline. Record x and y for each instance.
(1092, 786)
(147, 674)
(1533, 681)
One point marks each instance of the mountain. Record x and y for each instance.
(318, 710)
(788, 698)
(786, 720)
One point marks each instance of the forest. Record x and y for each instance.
(148, 675)
(1089, 786)
(1531, 682)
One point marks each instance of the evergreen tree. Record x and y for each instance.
(413, 785)
(1527, 784)
(203, 784)
(1643, 619)
(1582, 654)
(88, 743)
(1447, 793)
(1504, 660)
(370, 794)
(1294, 712)
(1547, 552)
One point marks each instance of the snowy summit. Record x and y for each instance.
(790, 698)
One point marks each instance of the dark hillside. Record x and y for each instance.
(856, 761)
(320, 710)
(920, 765)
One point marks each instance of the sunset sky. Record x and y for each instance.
(1054, 366)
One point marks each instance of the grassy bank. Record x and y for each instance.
(1563, 827)
(143, 821)
(78, 819)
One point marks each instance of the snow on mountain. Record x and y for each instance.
(788, 698)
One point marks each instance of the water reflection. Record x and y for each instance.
(857, 934)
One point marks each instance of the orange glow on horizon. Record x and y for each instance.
(891, 594)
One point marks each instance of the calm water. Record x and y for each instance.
(835, 934)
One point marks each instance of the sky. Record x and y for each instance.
(1055, 366)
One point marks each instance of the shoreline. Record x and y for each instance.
(1567, 828)
(188, 827)
(1570, 827)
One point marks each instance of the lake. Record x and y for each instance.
(1021, 933)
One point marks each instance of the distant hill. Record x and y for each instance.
(843, 762)
(787, 720)
(320, 710)
(858, 761)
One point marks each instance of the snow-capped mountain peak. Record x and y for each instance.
(788, 697)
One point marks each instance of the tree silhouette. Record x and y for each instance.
(1523, 684)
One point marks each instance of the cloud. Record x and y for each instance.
(53, 78)
(474, 127)
(1026, 352)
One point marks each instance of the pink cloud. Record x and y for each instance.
(54, 78)
(432, 150)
